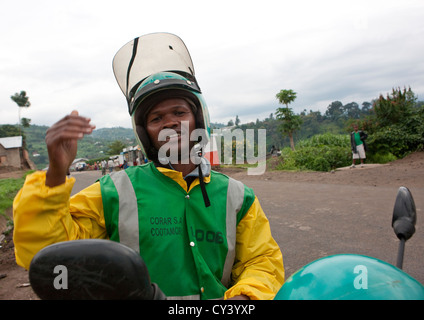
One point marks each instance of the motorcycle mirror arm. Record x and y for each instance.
(404, 220)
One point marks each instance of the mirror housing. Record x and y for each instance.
(404, 214)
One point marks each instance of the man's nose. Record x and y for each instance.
(170, 122)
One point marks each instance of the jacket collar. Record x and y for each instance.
(178, 177)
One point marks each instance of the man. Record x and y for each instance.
(357, 142)
(202, 234)
(110, 165)
(103, 165)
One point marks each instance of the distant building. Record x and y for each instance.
(14, 155)
(78, 164)
(11, 151)
(131, 154)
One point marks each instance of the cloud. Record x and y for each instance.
(244, 52)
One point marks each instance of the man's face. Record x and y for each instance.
(172, 121)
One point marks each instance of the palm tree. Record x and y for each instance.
(22, 101)
(286, 97)
(290, 121)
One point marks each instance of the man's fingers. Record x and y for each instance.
(61, 140)
(71, 126)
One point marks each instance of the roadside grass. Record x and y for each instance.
(8, 190)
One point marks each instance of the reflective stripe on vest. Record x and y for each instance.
(129, 229)
(128, 211)
(235, 196)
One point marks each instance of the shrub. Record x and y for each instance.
(322, 158)
(327, 139)
(396, 140)
(380, 157)
(321, 164)
(320, 153)
(288, 162)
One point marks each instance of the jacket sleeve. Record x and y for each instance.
(258, 271)
(43, 216)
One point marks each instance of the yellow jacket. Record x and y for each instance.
(43, 216)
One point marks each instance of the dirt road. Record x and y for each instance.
(312, 215)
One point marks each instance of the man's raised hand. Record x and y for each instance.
(62, 142)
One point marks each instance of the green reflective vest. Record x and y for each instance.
(189, 249)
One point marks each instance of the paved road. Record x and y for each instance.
(311, 220)
(84, 178)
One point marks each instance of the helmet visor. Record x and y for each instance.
(147, 55)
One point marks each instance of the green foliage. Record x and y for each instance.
(115, 147)
(395, 108)
(8, 190)
(396, 140)
(25, 122)
(334, 110)
(380, 157)
(395, 127)
(399, 124)
(273, 135)
(92, 146)
(290, 122)
(326, 139)
(8, 130)
(286, 96)
(319, 153)
(288, 160)
(112, 134)
(21, 99)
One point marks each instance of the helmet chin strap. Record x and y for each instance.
(203, 187)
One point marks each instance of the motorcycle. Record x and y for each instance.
(103, 269)
(359, 277)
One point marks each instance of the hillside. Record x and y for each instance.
(91, 147)
(402, 132)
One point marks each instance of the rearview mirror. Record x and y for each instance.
(404, 214)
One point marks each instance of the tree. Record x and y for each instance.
(395, 108)
(399, 124)
(366, 107)
(290, 121)
(352, 110)
(115, 147)
(334, 110)
(286, 97)
(22, 101)
(237, 121)
(25, 122)
(8, 130)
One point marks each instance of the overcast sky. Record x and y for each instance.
(244, 52)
